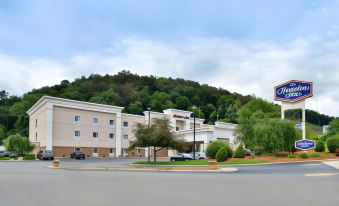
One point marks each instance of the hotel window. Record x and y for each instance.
(177, 128)
(95, 150)
(95, 135)
(95, 120)
(77, 149)
(77, 135)
(111, 122)
(124, 152)
(77, 119)
(111, 150)
(36, 122)
(36, 137)
(125, 137)
(111, 136)
(125, 124)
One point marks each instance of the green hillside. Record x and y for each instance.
(135, 93)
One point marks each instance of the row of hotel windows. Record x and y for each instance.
(96, 135)
(95, 121)
(95, 150)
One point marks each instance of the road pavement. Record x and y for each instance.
(31, 183)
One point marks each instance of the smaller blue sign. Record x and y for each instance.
(305, 144)
(298, 126)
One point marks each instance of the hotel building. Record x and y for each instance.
(98, 130)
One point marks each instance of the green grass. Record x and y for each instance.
(203, 162)
(5, 158)
(243, 161)
(189, 162)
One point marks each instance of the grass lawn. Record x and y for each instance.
(243, 161)
(189, 162)
(203, 162)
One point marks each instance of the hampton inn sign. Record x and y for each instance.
(293, 91)
(292, 95)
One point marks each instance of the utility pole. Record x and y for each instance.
(149, 125)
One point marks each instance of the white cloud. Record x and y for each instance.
(246, 67)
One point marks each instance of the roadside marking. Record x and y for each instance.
(315, 164)
(334, 164)
(321, 174)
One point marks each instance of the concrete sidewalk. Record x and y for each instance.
(334, 164)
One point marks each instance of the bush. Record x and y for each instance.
(5, 158)
(29, 157)
(229, 150)
(280, 154)
(214, 147)
(304, 155)
(221, 155)
(315, 155)
(252, 156)
(320, 146)
(239, 152)
(333, 143)
(292, 156)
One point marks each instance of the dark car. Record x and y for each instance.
(45, 155)
(181, 157)
(78, 155)
(9, 154)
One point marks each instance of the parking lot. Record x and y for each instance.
(31, 183)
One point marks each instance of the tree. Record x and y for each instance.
(135, 108)
(159, 135)
(183, 103)
(18, 143)
(334, 127)
(2, 133)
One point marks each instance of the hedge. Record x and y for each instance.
(221, 155)
(239, 152)
(214, 147)
(320, 146)
(29, 157)
(333, 143)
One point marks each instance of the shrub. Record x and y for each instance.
(320, 146)
(252, 156)
(221, 155)
(280, 154)
(213, 148)
(292, 156)
(229, 150)
(304, 155)
(239, 152)
(5, 158)
(333, 143)
(29, 157)
(315, 155)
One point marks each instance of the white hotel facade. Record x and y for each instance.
(98, 130)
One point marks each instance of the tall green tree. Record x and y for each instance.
(159, 135)
(2, 133)
(18, 143)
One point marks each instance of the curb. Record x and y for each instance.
(221, 170)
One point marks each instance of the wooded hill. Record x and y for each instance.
(136, 93)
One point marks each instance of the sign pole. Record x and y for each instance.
(303, 123)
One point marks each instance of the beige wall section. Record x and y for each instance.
(64, 128)
(40, 115)
(132, 120)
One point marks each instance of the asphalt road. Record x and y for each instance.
(31, 183)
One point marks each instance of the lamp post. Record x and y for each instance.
(149, 125)
(194, 107)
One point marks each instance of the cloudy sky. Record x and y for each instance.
(243, 46)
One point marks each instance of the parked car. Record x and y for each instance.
(199, 155)
(9, 154)
(78, 155)
(181, 157)
(45, 155)
(249, 152)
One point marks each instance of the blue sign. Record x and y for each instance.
(298, 126)
(293, 91)
(305, 144)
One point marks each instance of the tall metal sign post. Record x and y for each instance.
(292, 95)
